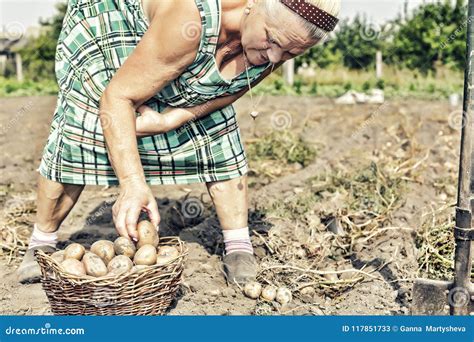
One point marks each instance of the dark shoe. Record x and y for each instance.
(240, 267)
(29, 271)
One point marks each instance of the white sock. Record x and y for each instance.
(39, 238)
(237, 240)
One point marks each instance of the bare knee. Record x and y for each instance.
(52, 190)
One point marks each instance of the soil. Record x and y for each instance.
(344, 136)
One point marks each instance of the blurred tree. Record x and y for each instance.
(354, 44)
(39, 53)
(434, 34)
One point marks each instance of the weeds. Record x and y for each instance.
(339, 213)
(277, 154)
(435, 243)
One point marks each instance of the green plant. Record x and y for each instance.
(366, 86)
(380, 84)
(282, 146)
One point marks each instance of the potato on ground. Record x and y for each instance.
(74, 251)
(104, 249)
(73, 266)
(269, 293)
(253, 289)
(147, 234)
(94, 265)
(124, 246)
(146, 255)
(283, 295)
(119, 264)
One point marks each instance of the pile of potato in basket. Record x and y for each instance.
(107, 258)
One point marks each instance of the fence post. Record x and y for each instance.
(3, 64)
(19, 67)
(378, 65)
(289, 72)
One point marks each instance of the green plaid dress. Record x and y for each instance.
(96, 39)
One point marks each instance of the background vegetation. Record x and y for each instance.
(423, 52)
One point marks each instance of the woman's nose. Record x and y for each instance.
(274, 54)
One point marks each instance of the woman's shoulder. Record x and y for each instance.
(176, 25)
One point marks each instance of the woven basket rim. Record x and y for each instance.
(106, 280)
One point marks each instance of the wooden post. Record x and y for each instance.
(289, 72)
(19, 67)
(3, 64)
(378, 65)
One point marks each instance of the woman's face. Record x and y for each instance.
(264, 39)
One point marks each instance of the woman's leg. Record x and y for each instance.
(54, 202)
(231, 202)
(230, 199)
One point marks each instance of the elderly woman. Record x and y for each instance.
(145, 97)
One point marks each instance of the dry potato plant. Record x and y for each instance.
(16, 225)
(338, 213)
(435, 243)
(277, 154)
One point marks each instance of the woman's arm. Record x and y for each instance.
(151, 122)
(161, 56)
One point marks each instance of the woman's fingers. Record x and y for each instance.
(119, 216)
(148, 123)
(131, 221)
(144, 110)
(153, 214)
(134, 198)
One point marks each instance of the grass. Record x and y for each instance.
(12, 87)
(331, 82)
(277, 154)
(396, 83)
(282, 146)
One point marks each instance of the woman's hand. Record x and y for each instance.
(150, 122)
(135, 196)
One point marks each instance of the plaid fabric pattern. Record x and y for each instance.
(96, 39)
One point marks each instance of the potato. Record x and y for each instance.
(147, 234)
(58, 256)
(94, 265)
(104, 249)
(164, 259)
(168, 251)
(269, 293)
(283, 295)
(146, 255)
(74, 251)
(253, 289)
(119, 264)
(124, 246)
(74, 266)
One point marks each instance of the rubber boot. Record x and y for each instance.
(240, 267)
(29, 271)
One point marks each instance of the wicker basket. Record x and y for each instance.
(146, 292)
